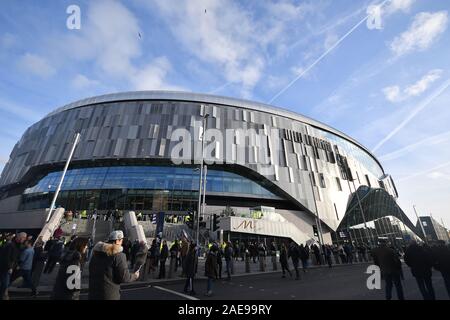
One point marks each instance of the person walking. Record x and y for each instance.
(420, 260)
(183, 254)
(190, 268)
(174, 253)
(262, 256)
(316, 251)
(441, 254)
(327, 253)
(39, 259)
(26, 265)
(348, 249)
(342, 254)
(108, 269)
(228, 254)
(362, 250)
(304, 257)
(54, 254)
(211, 269)
(391, 269)
(219, 259)
(9, 259)
(294, 254)
(284, 261)
(162, 259)
(74, 259)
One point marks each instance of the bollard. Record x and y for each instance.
(172, 266)
(274, 262)
(247, 263)
(262, 265)
(232, 265)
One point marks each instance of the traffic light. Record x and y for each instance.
(216, 222)
(202, 223)
(316, 233)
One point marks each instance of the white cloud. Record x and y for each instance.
(429, 141)
(224, 35)
(395, 94)
(82, 82)
(392, 93)
(330, 40)
(420, 107)
(399, 5)
(438, 175)
(423, 84)
(423, 32)
(36, 65)
(110, 38)
(229, 36)
(151, 77)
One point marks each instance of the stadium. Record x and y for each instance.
(270, 172)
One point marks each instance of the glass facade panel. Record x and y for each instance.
(133, 187)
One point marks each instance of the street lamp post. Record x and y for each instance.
(204, 191)
(199, 207)
(58, 188)
(319, 225)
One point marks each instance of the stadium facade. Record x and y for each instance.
(140, 151)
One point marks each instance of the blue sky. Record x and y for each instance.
(387, 87)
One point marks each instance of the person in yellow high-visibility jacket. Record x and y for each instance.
(84, 214)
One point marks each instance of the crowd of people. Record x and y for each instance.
(118, 261)
(421, 259)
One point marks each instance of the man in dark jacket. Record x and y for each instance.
(108, 268)
(54, 254)
(420, 260)
(162, 259)
(327, 252)
(294, 254)
(304, 256)
(316, 251)
(391, 268)
(219, 256)
(9, 258)
(190, 268)
(67, 285)
(441, 254)
(211, 268)
(284, 261)
(228, 254)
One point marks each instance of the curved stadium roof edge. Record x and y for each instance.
(206, 99)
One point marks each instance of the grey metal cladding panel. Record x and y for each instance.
(117, 148)
(99, 148)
